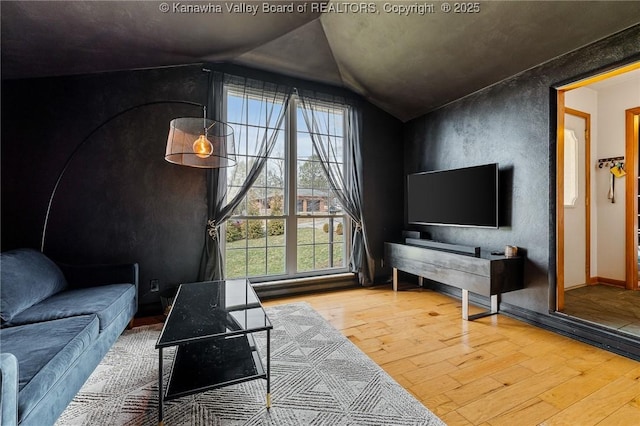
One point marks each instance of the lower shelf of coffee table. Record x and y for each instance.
(210, 364)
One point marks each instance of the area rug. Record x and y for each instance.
(318, 378)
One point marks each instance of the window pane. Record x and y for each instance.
(240, 138)
(273, 113)
(235, 262)
(305, 146)
(279, 146)
(241, 209)
(338, 256)
(336, 150)
(255, 135)
(338, 230)
(321, 260)
(237, 174)
(336, 124)
(275, 260)
(305, 256)
(311, 174)
(305, 231)
(257, 112)
(276, 232)
(276, 203)
(256, 235)
(256, 261)
(300, 120)
(236, 243)
(320, 121)
(275, 173)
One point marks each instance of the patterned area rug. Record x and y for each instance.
(318, 378)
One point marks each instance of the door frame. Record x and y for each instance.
(562, 111)
(632, 122)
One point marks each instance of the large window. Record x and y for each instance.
(290, 223)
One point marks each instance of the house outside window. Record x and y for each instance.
(290, 224)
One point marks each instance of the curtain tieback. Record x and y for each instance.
(358, 227)
(212, 229)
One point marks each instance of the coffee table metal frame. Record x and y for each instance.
(234, 336)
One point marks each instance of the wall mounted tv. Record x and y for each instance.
(456, 197)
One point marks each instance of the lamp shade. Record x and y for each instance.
(200, 142)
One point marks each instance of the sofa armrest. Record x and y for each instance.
(8, 389)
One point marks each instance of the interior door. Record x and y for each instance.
(576, 228)
(632, 131)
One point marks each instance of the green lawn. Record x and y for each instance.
(266, 256)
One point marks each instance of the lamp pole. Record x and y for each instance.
(87, 139)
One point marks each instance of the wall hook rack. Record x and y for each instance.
(611, 162)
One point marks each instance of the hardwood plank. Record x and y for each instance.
(600, 404)
(492, 371)
(505, 399)
(531, 412)
(425, 374)
(544, 362)
(488, 367)
(626, 415)
(433, 387)
(455, 418)
(474, 390)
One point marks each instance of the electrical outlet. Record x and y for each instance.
(154, 285)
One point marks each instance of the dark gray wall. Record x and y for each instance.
(119, 201)
(513, 123)
(383, 182)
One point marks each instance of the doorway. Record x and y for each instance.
(597, 246)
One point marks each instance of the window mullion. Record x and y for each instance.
(290, 184)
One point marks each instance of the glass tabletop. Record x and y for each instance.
(213, 309)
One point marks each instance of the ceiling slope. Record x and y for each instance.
(407, 64)
(303, 52)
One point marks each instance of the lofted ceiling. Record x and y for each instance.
(407, 64)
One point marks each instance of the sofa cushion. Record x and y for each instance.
(45, 351)
(107, 302)
(27, 277)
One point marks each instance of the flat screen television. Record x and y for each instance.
(456, 197)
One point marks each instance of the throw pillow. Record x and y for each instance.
(26, 278)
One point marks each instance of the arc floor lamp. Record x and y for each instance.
(193, 141)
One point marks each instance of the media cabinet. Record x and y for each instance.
(476, 271)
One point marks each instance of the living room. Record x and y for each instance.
(119, 201)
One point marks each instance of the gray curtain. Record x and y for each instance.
(348, 187)
(272, 99)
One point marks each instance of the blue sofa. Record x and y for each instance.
(58, 322)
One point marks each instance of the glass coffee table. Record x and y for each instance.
(211, 323)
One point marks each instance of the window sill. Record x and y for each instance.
(293, 286)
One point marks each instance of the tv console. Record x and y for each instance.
(477, 271)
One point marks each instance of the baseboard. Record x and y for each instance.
(581, 330)
(574, 287)
(575, 328)
(610, 281)
(291, 287)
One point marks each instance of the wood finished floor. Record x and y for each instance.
(609, 306)
(492, 371)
